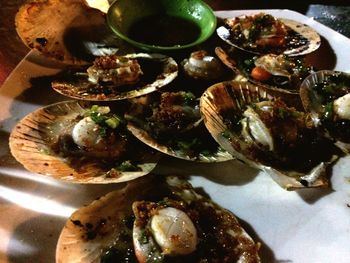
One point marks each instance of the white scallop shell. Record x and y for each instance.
(30, 144)
(66, 30)
(233, 97)
(309, 97)
(230, 62)
(219, 156)
(314, 39)
(312, 102)
(72, 244)
(136, 127)
(79, 87)
(74, 247)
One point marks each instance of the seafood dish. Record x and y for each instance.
(201, 65)
(138, 224)
(79, 143)
(266, 133)
(171, 123)
(75, 35)
(244, 115)
(117, 77)
(279, 72)
(263, 33)
(326, 95)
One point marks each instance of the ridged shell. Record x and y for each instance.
(136, 125)
(77, 85)
(30, 144)
(202, 66)
(66, 30)
(231, 99)
(74, 245)
(312, 102)
(310, 98)
(314, 40)
(233, 64)
(219, 156)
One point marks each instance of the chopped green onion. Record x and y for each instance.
(113, 122)
(328, 113)
(127, 166)
(143, 239)
(188, 97)
(94, 108)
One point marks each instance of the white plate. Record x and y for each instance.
(311, 225)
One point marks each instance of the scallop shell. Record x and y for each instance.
(314, 39)
(76, 85)
(219, 156)
(31, 140)
(291, 90)
(136, 126)
(79, 243)
(309, 97)
(312, 102)
(202, 66)
(66, 30)
(226, 100)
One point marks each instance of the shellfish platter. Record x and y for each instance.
(293, 215)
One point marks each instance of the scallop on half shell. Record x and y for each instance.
(281, 73)
(66, 30)
(170, 122)
(117, 77)
(110, 229)
(326, 95)
(44, 142)
(264, 132)
(202, 66)
(262, 33)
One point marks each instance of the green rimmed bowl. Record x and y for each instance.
(123, 15)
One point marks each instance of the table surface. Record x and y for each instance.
(330, 13)
(35, 231)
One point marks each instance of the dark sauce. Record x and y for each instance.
(164, 30)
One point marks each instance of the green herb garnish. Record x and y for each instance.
(101, 116)
(188, 97)
(113, 122)
(328, 111)
(128, 166)
(143, 239)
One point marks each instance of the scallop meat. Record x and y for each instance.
(155, 219)
(170, 122)
(263, 33)
(278, 72)
(80, 143)
(117, 77)
(265, 132)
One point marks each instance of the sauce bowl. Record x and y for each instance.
(161, 25)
